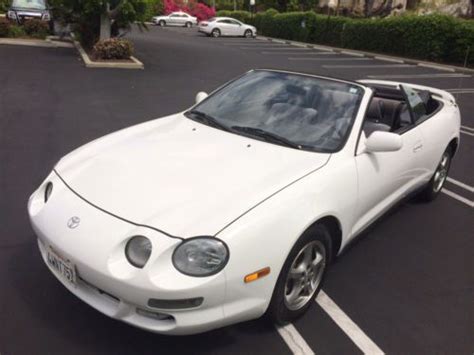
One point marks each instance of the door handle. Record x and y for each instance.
(417, 148)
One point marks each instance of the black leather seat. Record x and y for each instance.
(385, 111)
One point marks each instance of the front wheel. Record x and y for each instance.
(215, 33)
(188, 24)
(248, 34)
(162, 23)
(431, 191)
(302, 276)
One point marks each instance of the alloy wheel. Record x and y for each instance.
(441, 172)
(305, 275)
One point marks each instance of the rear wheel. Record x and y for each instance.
(438, 179)
(302, 275)
(216, 33)
(248, 34)
(162, 23)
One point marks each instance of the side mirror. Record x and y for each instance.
(201, 96)
(380, 141)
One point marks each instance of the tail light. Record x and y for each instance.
(203, 24)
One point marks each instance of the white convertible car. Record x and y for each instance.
(237, 206)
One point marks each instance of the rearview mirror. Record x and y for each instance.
(200, 96)
(380, 141)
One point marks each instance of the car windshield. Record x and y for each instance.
(295, 110)
(30, 4)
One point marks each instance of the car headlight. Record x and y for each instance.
(201, 256)
(138, 251)
(48, 190)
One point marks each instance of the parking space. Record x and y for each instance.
(404, 287)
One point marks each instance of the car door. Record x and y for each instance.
(431, 128)
(385, 177)
(223, 26)
(235, 28)
(174, 19)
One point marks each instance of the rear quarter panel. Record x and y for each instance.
(437, 132)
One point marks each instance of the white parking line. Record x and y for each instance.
(352, 53)
(389, 59)
(460, 184)
(290, 53)
(356, 334)
(461, 91)
(369, 66)
(277, 49)
(458, 197)
(429, 76)
(434, 66)
(466, 128)
(294, 340)
(332, 58)
(467, 133)
(256, 44)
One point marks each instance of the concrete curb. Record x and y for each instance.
(379, 56)
(47, 43)
(117, 65)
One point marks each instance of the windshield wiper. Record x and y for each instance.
(207, 119)
(268, 136)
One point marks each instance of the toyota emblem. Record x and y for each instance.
(73, 222)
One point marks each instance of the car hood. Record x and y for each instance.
(181, 176)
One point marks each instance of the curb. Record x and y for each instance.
(379, 56)
(46, 43)
(117, 65)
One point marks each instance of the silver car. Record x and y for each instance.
(226, 26)
(178, 18)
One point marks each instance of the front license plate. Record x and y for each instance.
(63, 267)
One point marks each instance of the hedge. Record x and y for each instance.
(435, 37)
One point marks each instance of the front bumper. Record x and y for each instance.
(107, 282)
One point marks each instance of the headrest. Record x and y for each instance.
(375, 109)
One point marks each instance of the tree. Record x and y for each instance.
(94, 19)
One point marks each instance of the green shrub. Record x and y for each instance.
(4, 27)
(432, 37)
(243, 16)
(16, 31)
(113, 48)
(153, 8)
(328, 30)
(36, 28)
(4, 5)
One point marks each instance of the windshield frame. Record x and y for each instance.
(344, 139)
(19, 6)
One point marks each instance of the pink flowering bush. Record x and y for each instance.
(192, 7)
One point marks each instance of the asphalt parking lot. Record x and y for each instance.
(406, 286)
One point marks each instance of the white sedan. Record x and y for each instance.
(226, 26)
(237, 206)
(178, 18)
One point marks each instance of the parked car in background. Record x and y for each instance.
(226, 26)
(23, 10)
(176, 19)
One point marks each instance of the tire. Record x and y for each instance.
(285, 307)
(162, 23)
(248, 34)
(216, 33)
(188, 25)
(435, 185)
